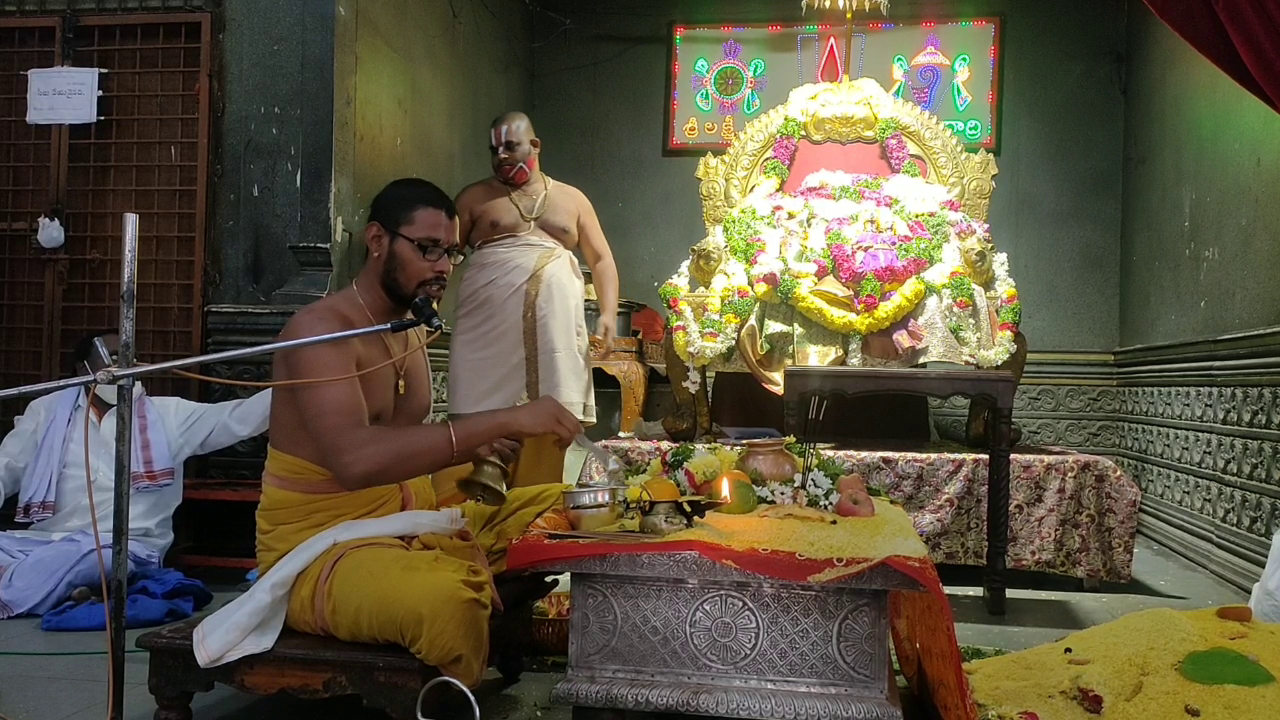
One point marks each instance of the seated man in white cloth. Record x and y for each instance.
(43, 461)
(520, 331)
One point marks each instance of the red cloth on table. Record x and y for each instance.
(921, 622)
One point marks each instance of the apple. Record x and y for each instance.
(855, 504)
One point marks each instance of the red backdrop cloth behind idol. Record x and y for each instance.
(856, 158)
(921, 622)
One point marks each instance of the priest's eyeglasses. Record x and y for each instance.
(432, 252)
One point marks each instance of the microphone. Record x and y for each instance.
(425, 311)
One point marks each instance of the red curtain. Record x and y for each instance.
(1241, 37)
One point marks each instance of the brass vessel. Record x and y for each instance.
(768, 460)
(663, 518)
(487, 483)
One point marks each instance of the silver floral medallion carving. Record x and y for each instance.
(596, 621)
(856, 640)
(724, 630)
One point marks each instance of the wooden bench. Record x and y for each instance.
(387, 678)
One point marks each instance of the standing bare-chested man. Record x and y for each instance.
(520, 331)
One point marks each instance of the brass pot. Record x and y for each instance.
(768, 460)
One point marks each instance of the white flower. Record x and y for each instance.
(805, 268)
(915, 194)
(693, 381)
(938, 274)
(952, 255)
(827, 177)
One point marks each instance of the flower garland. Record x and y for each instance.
(1008, 316)
(877, 317)
(958, 298)
(872, 234)
(706, 328)
(855, 254)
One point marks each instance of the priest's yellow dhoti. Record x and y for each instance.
(427, 593)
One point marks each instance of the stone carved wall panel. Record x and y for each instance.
(1206, 454)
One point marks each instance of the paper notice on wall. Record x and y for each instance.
(62, 95)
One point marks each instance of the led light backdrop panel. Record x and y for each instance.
(724, 76)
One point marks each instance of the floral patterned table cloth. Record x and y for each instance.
(1070, 514)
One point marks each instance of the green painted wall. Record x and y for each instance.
(418, 82)
(601, 84)
(1201, 196)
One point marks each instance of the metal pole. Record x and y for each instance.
(124, 463)
(107, 377)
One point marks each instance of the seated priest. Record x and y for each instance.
(357, 447)
(43, 461)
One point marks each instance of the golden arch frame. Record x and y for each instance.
(846, 112)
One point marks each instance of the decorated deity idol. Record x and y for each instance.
(857, 268)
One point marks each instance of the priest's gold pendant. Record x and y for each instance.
(400, 385)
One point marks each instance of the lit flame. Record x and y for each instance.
(724, 489)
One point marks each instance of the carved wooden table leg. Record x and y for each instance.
(993, 585)
(633, 377)
(176, 706)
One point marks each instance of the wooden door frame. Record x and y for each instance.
(56, 262)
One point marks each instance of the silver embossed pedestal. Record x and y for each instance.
(677, 633)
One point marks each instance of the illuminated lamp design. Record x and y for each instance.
(829, 70)
(901, 76)
(959, 93)
(730, 83)
(930, 62)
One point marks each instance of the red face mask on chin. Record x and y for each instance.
(517, 175)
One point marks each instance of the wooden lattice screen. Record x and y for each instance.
(147, 154)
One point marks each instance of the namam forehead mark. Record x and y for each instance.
(499, 135)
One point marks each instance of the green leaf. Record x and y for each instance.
(1223, 666)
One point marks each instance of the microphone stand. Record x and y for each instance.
(123, 375)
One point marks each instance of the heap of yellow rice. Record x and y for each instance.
(1132, 665)
(815, 534)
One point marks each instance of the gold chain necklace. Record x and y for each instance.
(404, 362)
(539, 203)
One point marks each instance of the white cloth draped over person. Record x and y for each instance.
(43, 461)
(521, 332)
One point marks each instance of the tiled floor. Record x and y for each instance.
(41, 677)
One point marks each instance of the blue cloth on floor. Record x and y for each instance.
(155, 596)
